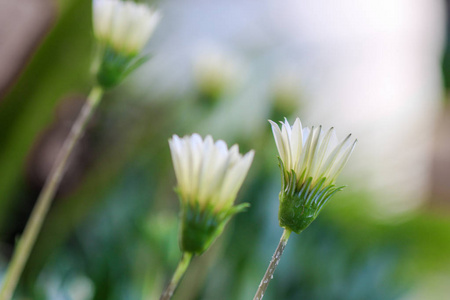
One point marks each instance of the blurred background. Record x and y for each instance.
(377, 68)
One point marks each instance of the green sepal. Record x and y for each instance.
(201, 226)
(114, 67)
(238, 209)
(301, 201)
(136, 63)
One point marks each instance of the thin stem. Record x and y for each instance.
(273, 264)
(179, 272)
(34, 224)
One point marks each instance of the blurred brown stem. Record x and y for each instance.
(272, 265)
(34, 224)
(179, 272)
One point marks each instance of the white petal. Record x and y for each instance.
(102, 17)
(119, 26)
(303, 163)
(296, 143)
(141, 25)
(196, 151)
(340, 164)
(318, 137)
(279, 142)
(234, 154)
(148, 26)
(175, 159)
(213, 172)
(334, 141)
(331, 160)
(234, 179)
(179, 157)
(222, 147)
(321, 153)
(306, 132)
(285, 136)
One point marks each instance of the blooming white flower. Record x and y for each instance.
(208, 174)
(123, 25)
(310, 152)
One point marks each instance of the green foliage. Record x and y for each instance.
(60, 66)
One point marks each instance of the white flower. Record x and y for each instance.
(124, 25)
(311, 152)
(215, 71)
(208, 173)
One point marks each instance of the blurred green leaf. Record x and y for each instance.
(60, 66)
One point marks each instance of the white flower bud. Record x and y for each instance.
(310, 161)
(208, 173)
(310, 152)
(209, 176)
(125, 26)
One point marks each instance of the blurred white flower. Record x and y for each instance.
(215, 72)
(286, 92)
(209, 174)
(310, 152)
(124, 25)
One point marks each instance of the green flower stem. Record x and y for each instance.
(34, 224)
(179, 272)
(273, 264)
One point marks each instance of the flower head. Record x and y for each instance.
(209, 176)
(310, 161)
(123, 25)
(215, 73)
(122, 29)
